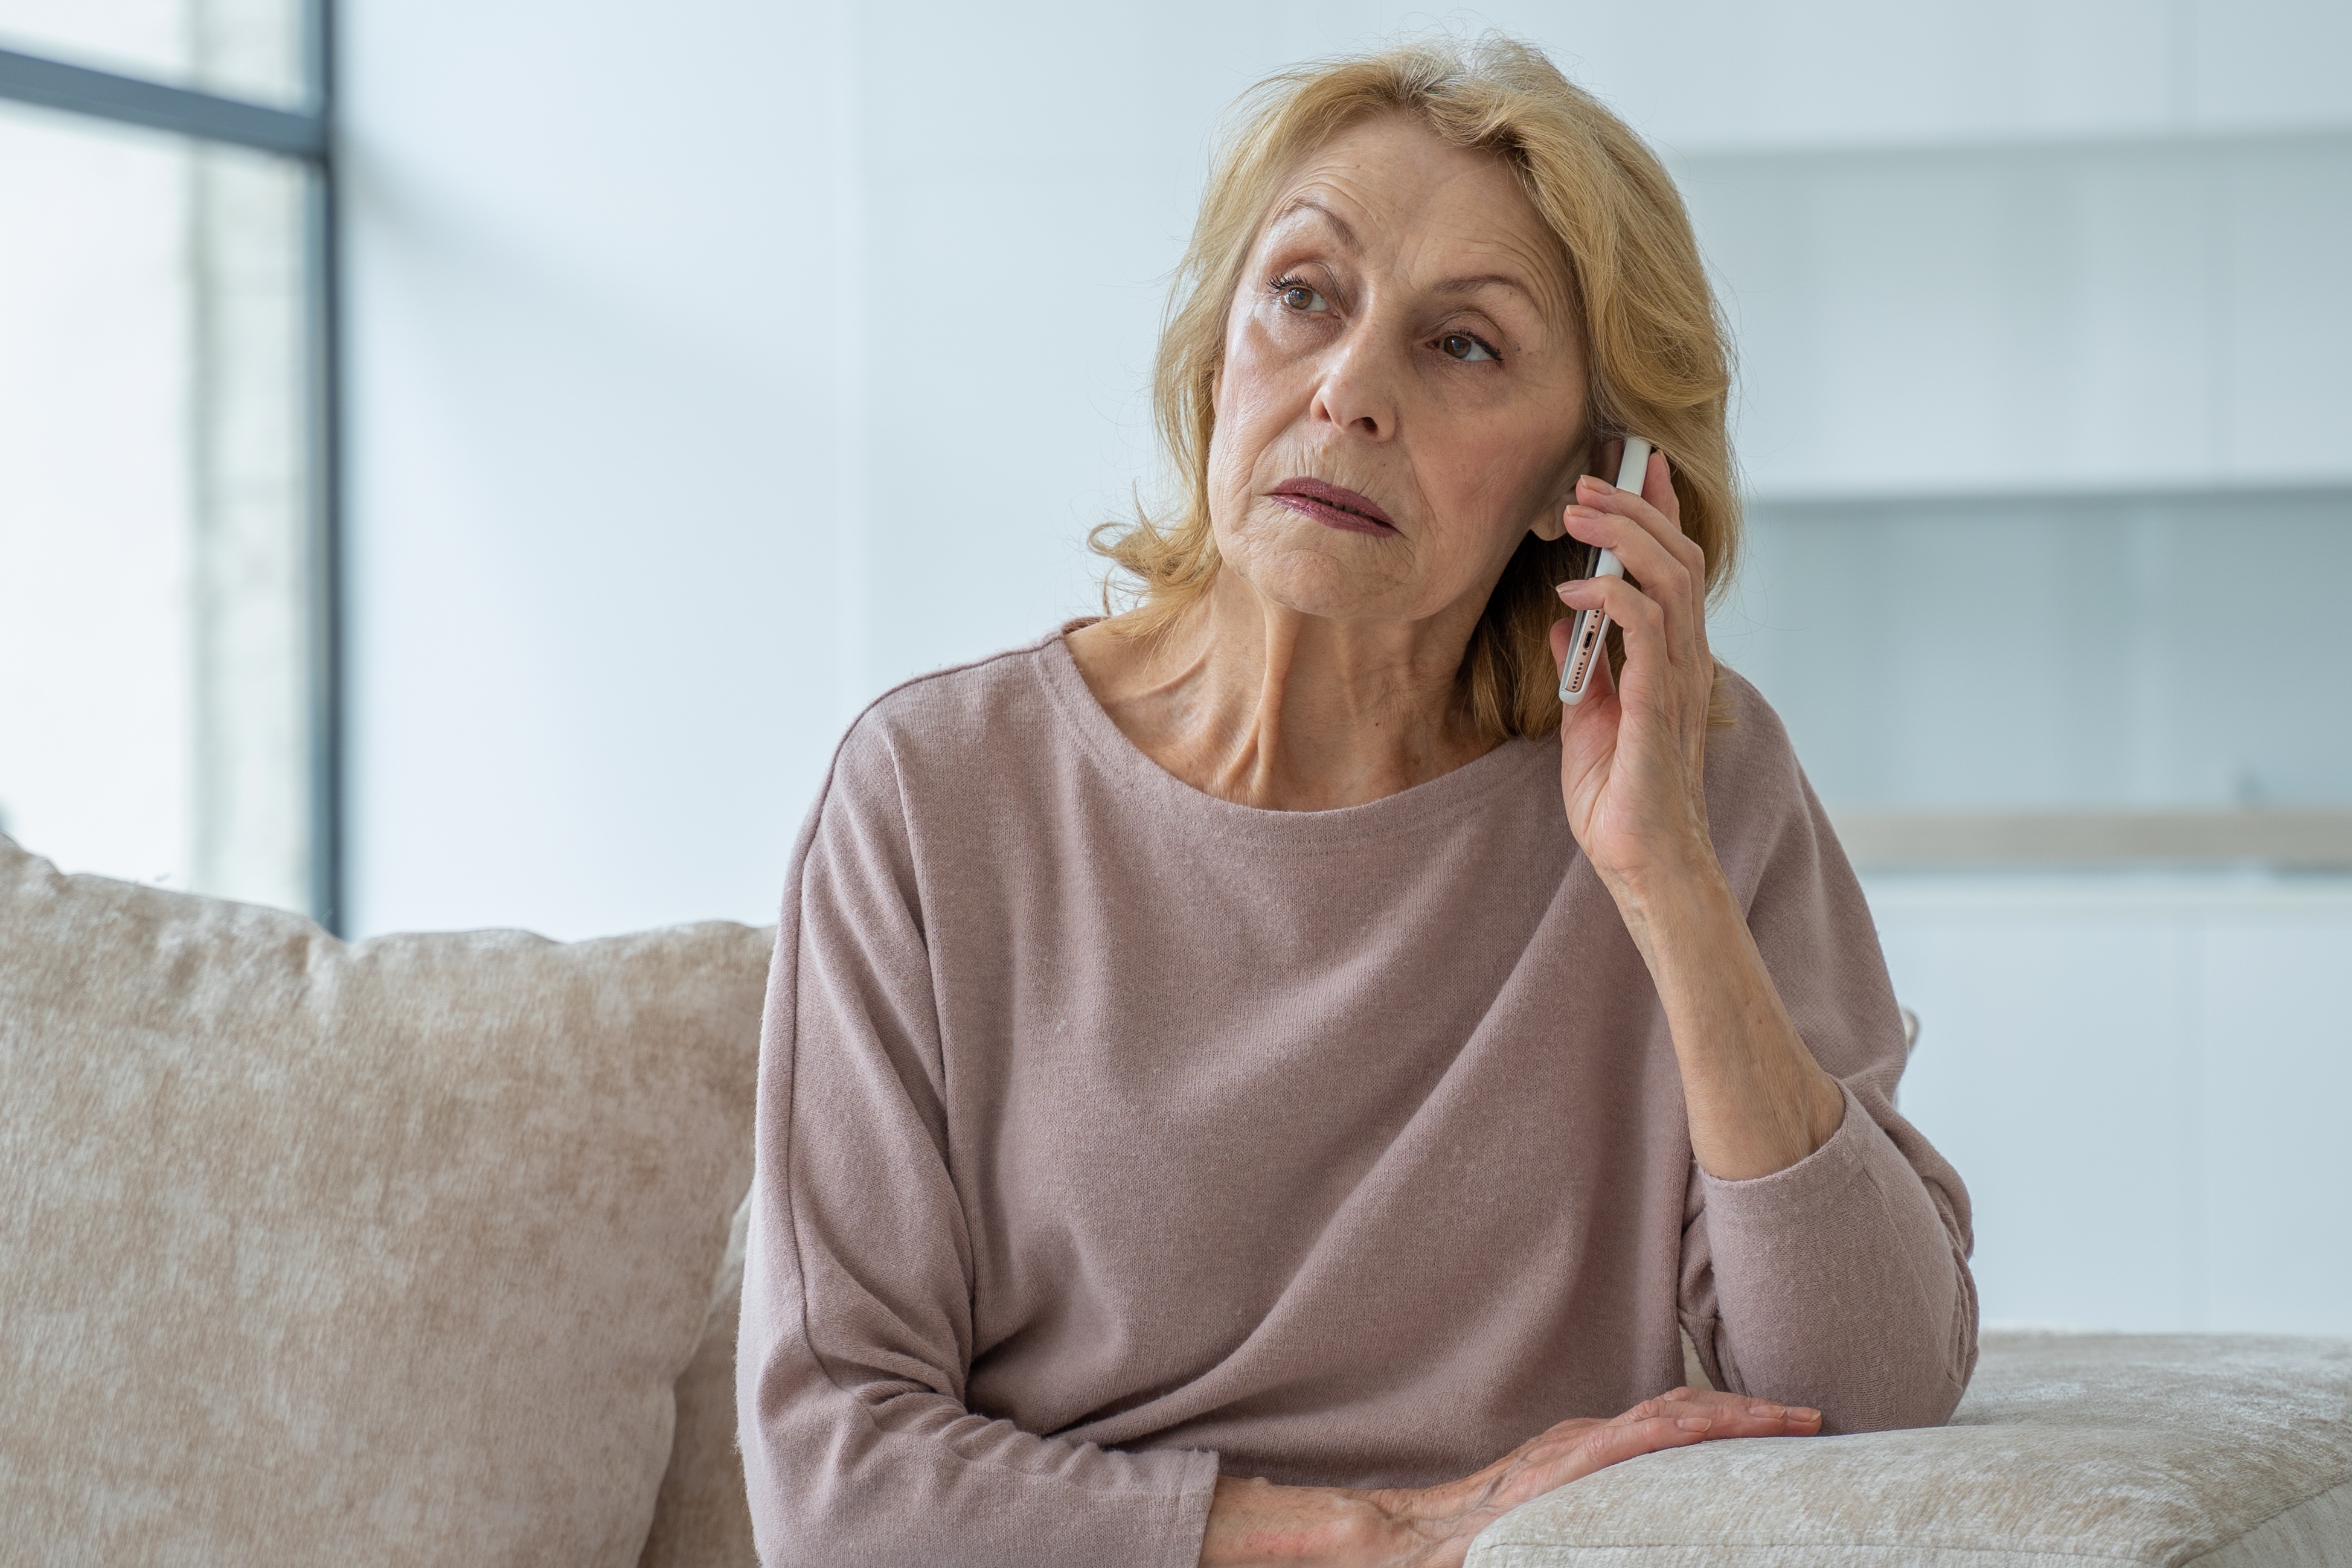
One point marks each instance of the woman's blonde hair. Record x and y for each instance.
(1656, 352)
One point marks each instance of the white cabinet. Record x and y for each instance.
(2142, 1080)
(2062, 319)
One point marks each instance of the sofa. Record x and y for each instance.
(427, 1249)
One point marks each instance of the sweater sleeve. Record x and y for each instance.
(1843, 1282)
(857, 1339)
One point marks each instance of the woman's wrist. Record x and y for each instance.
(1255, 1522)
(1680, 888)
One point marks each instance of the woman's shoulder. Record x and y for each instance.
(972, 721)
(1754, 745)
(1760, 805)
(964, 702)
(1757, 792)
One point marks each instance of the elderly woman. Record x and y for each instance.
(1235, 1069)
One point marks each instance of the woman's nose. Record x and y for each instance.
(1358, 391)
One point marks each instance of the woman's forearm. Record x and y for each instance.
(1757, 1100)
(1633, 767)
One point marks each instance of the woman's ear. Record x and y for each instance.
(1550, 525)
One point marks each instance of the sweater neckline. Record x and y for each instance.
(1435, 802)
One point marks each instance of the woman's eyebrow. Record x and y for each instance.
(1486, 280)
(1305, 202)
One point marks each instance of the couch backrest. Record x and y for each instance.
(390, 1251)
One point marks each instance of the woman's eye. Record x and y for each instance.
(1462, 346)
(1298, 297)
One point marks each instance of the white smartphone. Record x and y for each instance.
(1586, 644)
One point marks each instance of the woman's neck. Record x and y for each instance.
(1258, 704)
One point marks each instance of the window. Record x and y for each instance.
(167, 539)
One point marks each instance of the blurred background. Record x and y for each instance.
(463, 463)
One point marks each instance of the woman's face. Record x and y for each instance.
(1402, 394)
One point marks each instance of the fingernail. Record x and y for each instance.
(1802, 1414)
(1563, 588)
(1694, 1423)
(1585, 512)
(1599, 485)
(1767, 1410)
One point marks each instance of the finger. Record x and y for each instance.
(1650, 563)
(1601, 683)
(1732, 1414)
(1660, 511)
(1563, 632)
(1748, 1404)
(1611, 1445)
(1658, 489)
(1556, 1460)
(1609, 523)
(1742, 1421)
(1675, 1425)
(1661, 574)
(1574, 1449)
(1649, 661)
(1674, 1406)
(1654, 506)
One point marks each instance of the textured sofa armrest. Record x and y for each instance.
(2070, 1450)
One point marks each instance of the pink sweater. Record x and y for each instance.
(1112, 1136)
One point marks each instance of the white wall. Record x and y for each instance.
(596, 543)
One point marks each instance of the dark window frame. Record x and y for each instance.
(308, 136)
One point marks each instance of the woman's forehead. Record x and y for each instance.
(1391, 192)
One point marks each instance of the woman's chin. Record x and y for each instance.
(1312, 583)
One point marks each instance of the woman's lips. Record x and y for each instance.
(1333, 506)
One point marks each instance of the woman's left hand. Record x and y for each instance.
(1632, 754)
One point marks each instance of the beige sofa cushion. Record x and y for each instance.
(704, 1517)
(2071, 1452)
(380, 1253)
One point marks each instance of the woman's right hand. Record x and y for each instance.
(1257, 1522)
